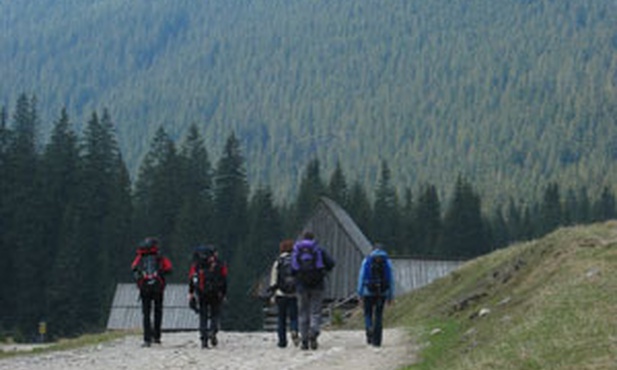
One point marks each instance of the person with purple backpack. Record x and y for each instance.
(310, 264)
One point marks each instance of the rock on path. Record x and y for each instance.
(337, 350)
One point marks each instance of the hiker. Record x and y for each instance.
(207, 291)
(149, 271)
(375, 288)
(310, 264)
(283, 287)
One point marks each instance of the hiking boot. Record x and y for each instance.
(157, 341)
(313, 342)
(204, 343)
(145, 344)
(213, 339)
(295, 338)
(281, 345)
(369, 337)
(305, 345)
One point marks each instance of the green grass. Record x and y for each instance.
(65, 344)
(552, 302)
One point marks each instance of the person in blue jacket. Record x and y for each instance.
(375, 288)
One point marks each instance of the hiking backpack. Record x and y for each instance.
(209, 278)
(285, 281)
(149, 269)
(378, 275)
(310, 265)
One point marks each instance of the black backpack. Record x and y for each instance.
(209, 279)
(285, 281)
(149, 269)
(378, 275)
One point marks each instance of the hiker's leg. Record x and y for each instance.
(146, 307)
(158, 316)
(293, 313)
(315, 303)
(377, 335)
(203, 322)
(368, 318)
(281, 329)
(215, 315)
(304, 312)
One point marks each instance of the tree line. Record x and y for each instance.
(71, 217)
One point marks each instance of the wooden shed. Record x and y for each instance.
(339, 235)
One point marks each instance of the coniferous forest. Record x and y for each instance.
(516, 94)
(71, 217)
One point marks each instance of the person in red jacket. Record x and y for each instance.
(149, 271)
(207, 291)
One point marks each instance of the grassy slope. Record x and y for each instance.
(552, 305)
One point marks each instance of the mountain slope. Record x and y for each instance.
(513, 94)
(545, 304)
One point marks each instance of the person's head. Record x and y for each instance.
(149, 245)
(286, 245)
(204, 253)
(308, 235)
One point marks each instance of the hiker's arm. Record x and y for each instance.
(360, 287)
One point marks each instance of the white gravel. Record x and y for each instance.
(337, 350)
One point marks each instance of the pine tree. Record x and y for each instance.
(408, 228)
(428, 221)
(24, 229)
(360, 209)
(253, 260)
(385, 226)
(337, 187)
(59, 171)
(464, 233)
(101, 180)
(550, 211)
(157, 191)
(311, 188)
(604, 207)
(231, 193)
(193, 224)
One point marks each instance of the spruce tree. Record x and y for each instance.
(337, 187)
(428, 221)
(604, 207)
(231, 193)
(464, 233)
(550, 211)
(253, 260)
(157, 194)
(193, 224)
(311, 188)
(385, 226)
(360, 209)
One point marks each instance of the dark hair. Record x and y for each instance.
(308, 235)
(286, 245)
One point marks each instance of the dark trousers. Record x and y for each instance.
(373, 318)
(287, 309)
(209, 316)
(150, 299)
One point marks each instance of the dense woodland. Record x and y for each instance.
(71, 217)
(516, 94)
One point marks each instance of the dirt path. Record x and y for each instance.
(337, 350)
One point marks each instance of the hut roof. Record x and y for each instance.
(126, 309)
